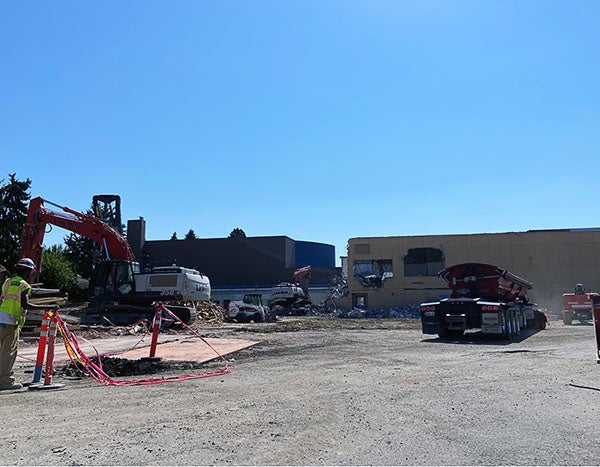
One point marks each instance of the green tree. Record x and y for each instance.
(190, 235)
(80, 251)
(174, 236)
(59, 273)
(57, 270)
(14, 197)
(237, 233)
(83, 252)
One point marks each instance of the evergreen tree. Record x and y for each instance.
(83, 252)
(174, 236)
(80, 251)
(14, 197)
(237, 233)
(190, 235)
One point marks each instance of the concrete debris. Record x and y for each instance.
(210, 312)
(410, 311)
(338, 287)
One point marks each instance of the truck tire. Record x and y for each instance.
(539, 320)
(443, 331)
(516, 325)
(241, 318)
(567, 318)
(507, 322)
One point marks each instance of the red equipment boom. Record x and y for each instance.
(301, 277)
(38, 217)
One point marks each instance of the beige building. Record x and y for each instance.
(386, 272)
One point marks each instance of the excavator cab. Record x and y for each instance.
(112, 280)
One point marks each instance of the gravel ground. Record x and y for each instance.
(324, 391)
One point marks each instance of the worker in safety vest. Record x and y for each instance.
(14, 306)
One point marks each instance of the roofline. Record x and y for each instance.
(581, 229)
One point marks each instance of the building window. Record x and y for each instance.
(420, 262)
(362, 248)
(372, 273)
(359, 301)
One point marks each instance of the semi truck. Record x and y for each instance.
(485, 297)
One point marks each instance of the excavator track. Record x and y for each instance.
(125, 315)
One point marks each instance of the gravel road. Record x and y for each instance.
(324, 391)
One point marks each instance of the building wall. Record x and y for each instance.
(317, 255)
(228, 261)
(247, 262)
(553, 260)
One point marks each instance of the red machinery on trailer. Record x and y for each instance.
(484, 297)
(578, 305)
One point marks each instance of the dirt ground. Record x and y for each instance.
(328, 391)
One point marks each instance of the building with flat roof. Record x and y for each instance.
(240, 264)
(387, 272)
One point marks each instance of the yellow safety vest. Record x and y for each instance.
(12, 290)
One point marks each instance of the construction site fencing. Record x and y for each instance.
(52, 322)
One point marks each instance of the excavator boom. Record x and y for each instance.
(114, 244)
(117, 289)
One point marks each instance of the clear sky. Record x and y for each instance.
(321, 120)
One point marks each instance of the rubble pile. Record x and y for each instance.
(210, 312)
(410, 311)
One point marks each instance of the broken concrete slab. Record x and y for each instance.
(192, 349)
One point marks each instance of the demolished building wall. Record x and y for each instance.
(553, 260)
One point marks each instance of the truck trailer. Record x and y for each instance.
(485, 297)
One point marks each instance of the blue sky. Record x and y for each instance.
(320, 120)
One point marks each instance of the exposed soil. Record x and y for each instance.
(326, 391)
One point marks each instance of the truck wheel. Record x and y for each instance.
(539, 320)
(443, 331)
(567, 318)
(241, 318)
(516, 327)
(511, 325)
(506, 321)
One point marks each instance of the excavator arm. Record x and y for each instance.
(38, 217)
(301, 277)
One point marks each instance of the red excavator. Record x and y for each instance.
(292, 297)
(118, 292)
